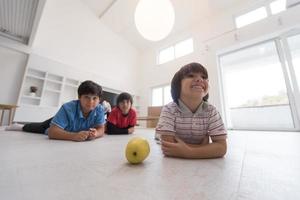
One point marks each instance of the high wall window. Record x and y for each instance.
(278, 6)
(184, 48)
(261, 85)
(251, 17)
(260, 13)
(176, 51)
(161, 95)
(166, 55)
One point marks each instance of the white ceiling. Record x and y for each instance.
(120, 16)
(16, 18)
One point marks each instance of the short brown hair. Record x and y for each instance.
(182, 73)
(124, 96)
(89, 87)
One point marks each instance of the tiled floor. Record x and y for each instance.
(258, 165)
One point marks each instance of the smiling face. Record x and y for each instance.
(190, 83)
(125, 106)
(88, 102)
(194, 85)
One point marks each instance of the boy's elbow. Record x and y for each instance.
(51, 133)
(101, 133)
(50, 136)
(222, 150)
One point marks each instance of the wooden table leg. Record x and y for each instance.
(10, 116)
(2, 117)
(13, 114)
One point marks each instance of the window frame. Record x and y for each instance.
(249, 11)
(180, 42)
(267, 6)
(280, 41)
(163, 93)
(174, 51)
(159, 54)
(270, 8)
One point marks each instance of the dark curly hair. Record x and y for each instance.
(182, 73)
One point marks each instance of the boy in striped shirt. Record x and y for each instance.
(187, 124)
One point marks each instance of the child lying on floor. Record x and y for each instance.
(186, 124)
(122, 118)
(77, 120)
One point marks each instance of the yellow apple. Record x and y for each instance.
(137, 150)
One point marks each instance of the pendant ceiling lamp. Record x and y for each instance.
(154, 19)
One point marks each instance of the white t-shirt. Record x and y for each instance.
(107, 107)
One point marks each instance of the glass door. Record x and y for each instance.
(256, 90)
(291, 48)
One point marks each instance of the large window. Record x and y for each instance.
(161, 95)
(176, 51)
(256, 87)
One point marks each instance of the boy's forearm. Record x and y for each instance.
(100, 131)
(212, 150)
(166, 136)
(59, 134)
(216, 149)
(114, 130)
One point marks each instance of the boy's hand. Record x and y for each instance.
(92, 134)
(80, 136)
(177, 149)
(130, 130)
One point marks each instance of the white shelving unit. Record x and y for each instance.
(32, 78)
(52, 91)
(69, 90)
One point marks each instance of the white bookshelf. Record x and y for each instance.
(69, 90)
(33, 78)
(52, 91)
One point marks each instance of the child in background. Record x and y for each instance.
(77, 120)
(186, 125)
(106, 107)
(122, 118)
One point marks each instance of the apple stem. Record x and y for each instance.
(134, 153)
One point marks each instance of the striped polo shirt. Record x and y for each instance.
(192, 127)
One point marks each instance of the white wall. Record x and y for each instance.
(12, 68)
(71, 34)
(77, 44)
(12, 62)
(212, 36)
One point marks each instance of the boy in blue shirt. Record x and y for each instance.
(77, 120)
